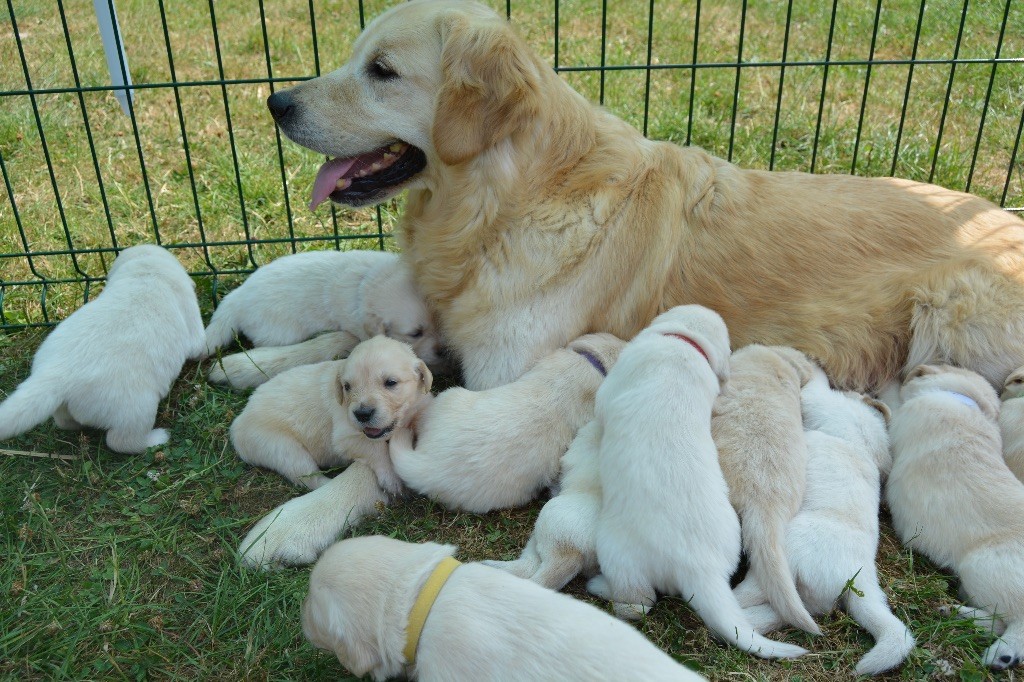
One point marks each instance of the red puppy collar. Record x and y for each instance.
(690, 341)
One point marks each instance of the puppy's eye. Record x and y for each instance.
(381, 70)
(390, 383)
(416, 334)
(347, 386)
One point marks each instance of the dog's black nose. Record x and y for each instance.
(281, 105)
(363, 414)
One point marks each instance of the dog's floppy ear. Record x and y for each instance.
(880, 406)
(489, 89)
(426, 378)
(920, 371)
(323, 625)
(373, 324)
(339, 389)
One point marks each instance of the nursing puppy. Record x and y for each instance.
(758, 430)
(487, 450)
(110, 362)
(295, 297)
(953, 498)
(1011, 422)
(563, 542)
(253, 367)
(666, 524)
(362, 590)
(330, 413)
(833, 540)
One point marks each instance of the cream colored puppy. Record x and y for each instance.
(833, 540)
(563, 543)
(110, 362)
(759, 434)
(1011, 422)
(953, 498)
(253, 367)
(666, 524)
(483, 624)
(330, 413)
(295, 297)
(492, 449)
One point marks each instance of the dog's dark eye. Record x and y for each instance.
(416, 334)
(346, 386)
(380, 70)
(390, 383)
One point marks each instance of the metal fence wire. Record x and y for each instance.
(932, 90)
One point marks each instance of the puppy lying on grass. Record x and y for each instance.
(666, 524)
(492, 449)
(953, 498)
(330, 413)
(366, 603)
(833, 540)
(111, 362)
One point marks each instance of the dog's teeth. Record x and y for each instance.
(375, 167)
(396, 147)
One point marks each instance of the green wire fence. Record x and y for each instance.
(932, 90)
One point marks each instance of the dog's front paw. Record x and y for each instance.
(1001, 656)
(280, 540)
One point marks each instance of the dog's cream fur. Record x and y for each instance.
(110, 362)
(563, 543)
(665, 523)
(484, 625)
(832, 541)
(491, 449)
(295, 297)
(304, 419)
(758, 430)
(953, 498)
(540, 217)
(1011, 422)
(253, 367)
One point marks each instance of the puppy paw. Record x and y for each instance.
(279, 540)
(1001, 656)
(630, 612)
(157, 437)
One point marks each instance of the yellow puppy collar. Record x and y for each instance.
(424, 602)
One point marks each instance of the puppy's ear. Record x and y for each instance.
(426, 378)
(339, 391)
(322, 623)
(373, 324)
(489, 89)
(880, 406)
(920, 371)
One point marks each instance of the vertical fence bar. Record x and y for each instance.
(824, 84)
(988, 96)
(647, 72)
(782, 82)
(693, 72)
(949, 90)
(736, 88)
(867, 85)
(1013, 161)
(906, 91)
(556, 34)
(604, 39)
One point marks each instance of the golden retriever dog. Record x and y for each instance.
(328, 414)
(758, 429)
(111, 362)
(1011, 422)
(954, 500)
(483, 624)
(534, 216)
(493, 449)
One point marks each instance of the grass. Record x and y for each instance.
(124, 567)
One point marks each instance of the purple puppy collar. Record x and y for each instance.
(593, 359)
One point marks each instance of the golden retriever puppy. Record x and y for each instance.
(758, 430)
(953, 498)
(1011, 422)
(563, 543)
(111, 362)
(666, 524)
(484, 450)
(833, 540)
(534, 216)
(330, 413)
(482, 624)
(253, 367)
(296, 297)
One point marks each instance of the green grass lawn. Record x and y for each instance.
(117, 566)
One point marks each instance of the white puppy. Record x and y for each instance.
(295, 297)
(483, 450)
(1011, 422)
(253, 367)
(759, 434)
(953, 498)
(666, 523)
(563, 542)
(330, 413)
(110, 362)
(832, 541)
(483, 624)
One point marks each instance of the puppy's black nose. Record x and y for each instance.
(363, 414)
(281, 105)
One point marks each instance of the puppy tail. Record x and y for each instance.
(717, 607)
(764, 540)
(32, 403)
(221, 330)
(893, 641)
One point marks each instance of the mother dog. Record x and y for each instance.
(534, 217)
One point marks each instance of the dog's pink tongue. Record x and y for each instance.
(327, 180)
